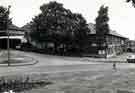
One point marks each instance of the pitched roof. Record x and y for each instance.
(14, 27)
(26, 27)
(92, 28)
(114, 33)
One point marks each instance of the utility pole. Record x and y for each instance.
(8, 43)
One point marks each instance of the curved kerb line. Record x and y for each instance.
(15, 65)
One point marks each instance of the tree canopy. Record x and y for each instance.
(102, 27)
(102, 19)
(4, 18)
(58, 25)
(132, 1)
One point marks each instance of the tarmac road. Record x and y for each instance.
(74, 73)
(53, 64)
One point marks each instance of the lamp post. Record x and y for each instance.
(8, 43)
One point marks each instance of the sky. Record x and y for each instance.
(121, 14)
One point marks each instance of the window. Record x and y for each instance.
(93, 44)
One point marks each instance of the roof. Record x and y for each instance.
(14, 27)
(114, 33)
(92, 28)
(11, 32)
(14, 37)
(26, 27)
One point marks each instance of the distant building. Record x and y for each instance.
(115, 44)
(16, 37)
(131, 46)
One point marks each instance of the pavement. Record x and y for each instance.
(101, 78)
(16, 59)
(61, 60)
(122, 58)
(75, 75)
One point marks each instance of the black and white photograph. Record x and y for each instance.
(67, 46)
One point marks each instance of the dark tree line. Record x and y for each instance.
(132, 1)
(59, 26)
(102, 26)
(4, 18)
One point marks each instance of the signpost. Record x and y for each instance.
(8, 43)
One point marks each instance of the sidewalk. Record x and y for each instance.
(120, 58)
(63, 60)
(16, 59)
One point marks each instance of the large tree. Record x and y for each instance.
(102, 27)
(58, 25)
(4, 18)
(132, 1)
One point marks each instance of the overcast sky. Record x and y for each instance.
(121, 14)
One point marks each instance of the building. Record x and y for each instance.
(115, 44)
(16, 37)
(131, 46)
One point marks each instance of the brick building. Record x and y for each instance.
(115, 44)
(131, 46)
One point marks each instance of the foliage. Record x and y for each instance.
(102, 27)
(132, 1)
(58, 25)
(4, 18)
(20, 85)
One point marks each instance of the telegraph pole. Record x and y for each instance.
(8, 43)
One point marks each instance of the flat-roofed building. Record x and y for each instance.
(16, 37)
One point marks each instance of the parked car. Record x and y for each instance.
(18, 47)
(131, 59)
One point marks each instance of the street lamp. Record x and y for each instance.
(8, 43)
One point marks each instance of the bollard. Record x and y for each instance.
(114, 65)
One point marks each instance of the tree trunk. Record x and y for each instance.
(55, 48)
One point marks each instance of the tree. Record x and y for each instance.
(5, 21)
(58, 25)
(4, 18)
(102, 27)
(81, 32)
(132, 1)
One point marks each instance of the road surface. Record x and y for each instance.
(73, 75)
(53, 64)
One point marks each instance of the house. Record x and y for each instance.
(131, 46)
(16, 37)
(115, 43)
